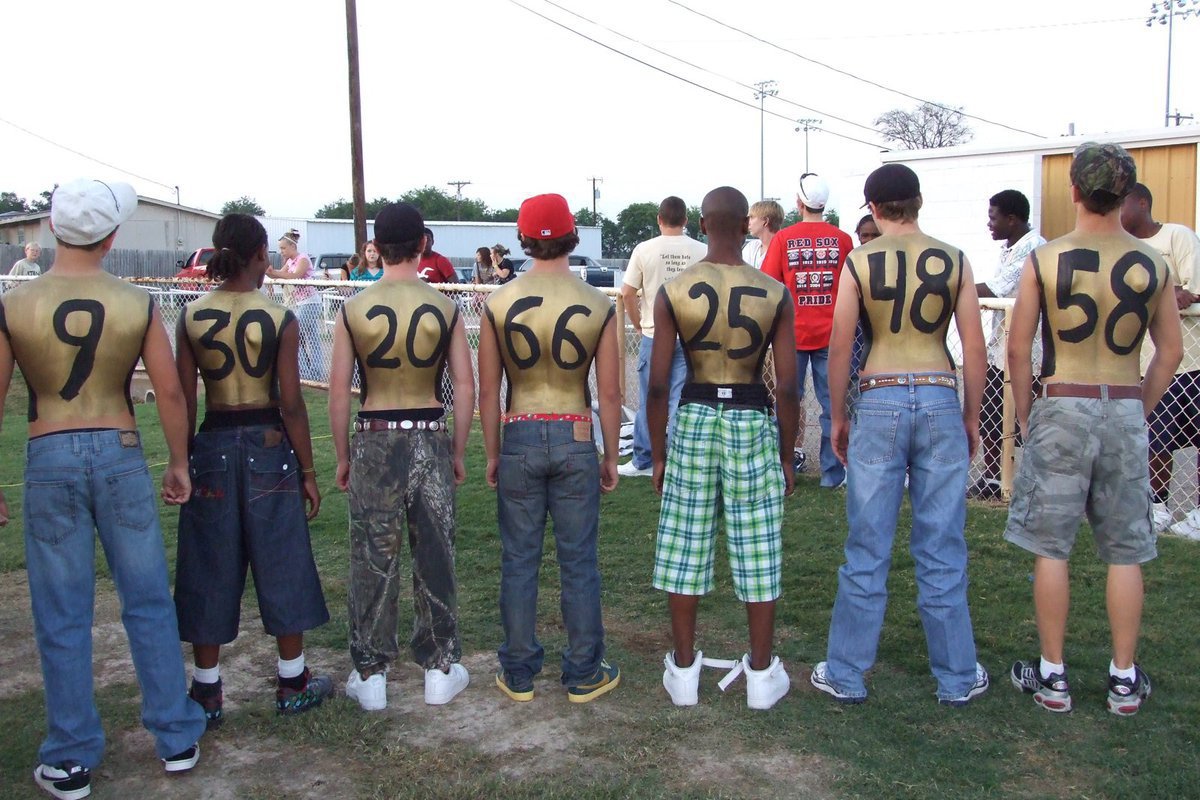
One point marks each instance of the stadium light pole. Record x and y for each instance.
(1164, 13)
(763, 90)
(807, 125)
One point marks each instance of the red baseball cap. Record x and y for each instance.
(545, 216)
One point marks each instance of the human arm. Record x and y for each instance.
(787, 397)
(631, 284)
(1021, 329)
(841, 347)
(464, 396)
(295, 412)
(608, 385)
(172, 409)
(6, 372)
(974, 356)
(341, 373)
(185, 366)
(1167, 336)
(299, 269)
(503, 269)
(489, 394)
(661, 356)
(1186, 248)
(983, 290)
(633, 308)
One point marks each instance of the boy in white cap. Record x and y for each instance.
(807, 258)
(77, 334)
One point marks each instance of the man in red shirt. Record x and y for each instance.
(435, 267)
(807, 258)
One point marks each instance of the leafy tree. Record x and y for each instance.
(244, 205)
(636, 223)
(925, 126)
(833, 217)
(43, 201)
(11, 201)
(790, 218)
(344, 209)
(610, 238)
(693, 222)
(585, 217)
(502, 215)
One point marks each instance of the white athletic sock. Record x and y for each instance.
(1117, 672)
(210, 675)
(293, 668)
(1049, 668)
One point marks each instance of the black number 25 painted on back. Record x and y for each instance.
(221, 320)
(736, 318)
(1129, 300)
(562, 335)
(933, 284)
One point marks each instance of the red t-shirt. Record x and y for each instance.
(807, 258)
(436, 268)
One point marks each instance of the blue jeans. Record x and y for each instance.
(641, 428)
(543, 468)
(312, 356)
(832, 471)
(78, 484)
(894, 429)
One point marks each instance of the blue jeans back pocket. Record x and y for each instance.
(50, 510)
(132, 494)
(947, 436)
(212, 494)
(873, 436)
(273, 477)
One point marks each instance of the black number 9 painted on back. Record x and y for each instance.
(85, 358)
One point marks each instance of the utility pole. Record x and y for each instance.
(807, 125)
(595, 196)
(458, 196)
(1164, 12)
(1179, 117)
(356, 150)
(763, 90)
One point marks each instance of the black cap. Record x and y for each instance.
(397, 223)
(890, 183)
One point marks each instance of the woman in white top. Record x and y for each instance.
(306, 302)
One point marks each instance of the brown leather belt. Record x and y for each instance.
(361, 425)
(1094, 391)
(918, 379)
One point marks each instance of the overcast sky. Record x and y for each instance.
(227, 98)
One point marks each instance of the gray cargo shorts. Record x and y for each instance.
(1084, 456)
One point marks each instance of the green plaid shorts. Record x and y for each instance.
(721, 457)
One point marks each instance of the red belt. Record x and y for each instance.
(917, 379)
(1094, 391)
(546, 418)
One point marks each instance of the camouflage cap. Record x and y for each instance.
(1104, 167)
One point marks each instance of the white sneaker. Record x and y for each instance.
(441, 687)
(1188, 527)
(682, 683)
(1160, 516)
(628, 470)
(765, 687)
(371, 694)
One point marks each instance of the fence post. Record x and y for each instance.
(1008, 435)
(621, 342)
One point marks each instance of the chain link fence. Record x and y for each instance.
(317, 305)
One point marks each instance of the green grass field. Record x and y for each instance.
(634, 743)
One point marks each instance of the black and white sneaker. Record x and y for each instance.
(979, 687)
(820, 680)
(1052, 694)
(1125, 696)
(67, 781)
(799, 461)
(182, 762)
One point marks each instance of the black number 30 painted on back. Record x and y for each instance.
(85, 359)
(562, 335)
(220, 320)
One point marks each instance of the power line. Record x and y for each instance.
(746, 86)
(85, 155)
(969, 31)
(668, 73)
(847, 74)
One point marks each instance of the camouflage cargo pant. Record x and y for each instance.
(396, 477)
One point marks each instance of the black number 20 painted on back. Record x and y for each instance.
(376, 358)
(562, 335)
(85, 359)
(221, 319)
(736, 318)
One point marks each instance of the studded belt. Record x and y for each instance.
(361, 425)
(917, 379)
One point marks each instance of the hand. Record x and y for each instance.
(3, 510)
(659, 468)
(312, 494)
(176, 485)
(608, 474)
(972, 429)
(1183, 298)
(460, 471)
(342, 476)
(839, 435)
(789, 475)
(493, 470)
(496, 259)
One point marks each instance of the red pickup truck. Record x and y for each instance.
(196, 266)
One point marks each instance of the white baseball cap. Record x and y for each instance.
(814, 190)
(84, 211)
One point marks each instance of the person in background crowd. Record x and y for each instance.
(370, 267)
(502, 267)
(1085, 436)
(765, 218)
(435, 267)
(651, 264)
(77, 333)
(907, 422)
(1175, 422)
(1008, 220)
(866, 230)
(402, 465)
(28, 265)
(252, 468)
(807, 258)
(542, 333)
(348, 269)
(485, 271)
(306, 301)
(727, 453)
